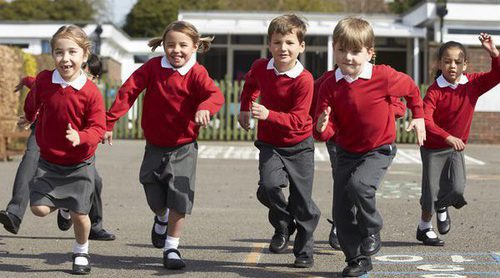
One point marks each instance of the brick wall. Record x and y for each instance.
(485, 125)
(485, 128)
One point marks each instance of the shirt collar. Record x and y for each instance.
(182, 70)
(292, 73)
(78, 83)
(366, 73)
(442, 82)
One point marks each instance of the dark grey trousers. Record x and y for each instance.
(443, 179)
(332, 152)
(25, 173)
(279, 166)
(357, 177)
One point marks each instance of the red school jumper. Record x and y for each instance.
(362, 116)
(288, 100)
(449, 111)
(57, 107)
(170, 102)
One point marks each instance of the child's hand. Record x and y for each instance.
(202, 117)
(259, 111)
(419, 126)
(488, 44)
(456, 143)
(109, 137)
(72, 136)
(19, 86)
(323, 120)
(244, 120)
(23, 123)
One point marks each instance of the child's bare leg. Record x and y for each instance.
(81, 224)
(42, 211)
(175, 225)
(426, 216)
(81, 227)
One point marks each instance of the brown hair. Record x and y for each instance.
(74, 33)
(286, 24)
(186, 28)
(354, 33)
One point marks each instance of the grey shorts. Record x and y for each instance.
(61, 186)
(168, 176)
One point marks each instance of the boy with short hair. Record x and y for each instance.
(357, 98)
(284, 137)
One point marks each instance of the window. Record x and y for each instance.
(247, 39)
(141, 59)
(215, 61)
(46, 47)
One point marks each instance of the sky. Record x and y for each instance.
(120, 9)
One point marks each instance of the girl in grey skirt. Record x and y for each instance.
(449, 107)
(71, 121)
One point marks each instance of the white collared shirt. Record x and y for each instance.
(292, 73)
(443, 83)
(182, 70)
(78, 83)
(366, 73)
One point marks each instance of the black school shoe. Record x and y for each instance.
(304, 262)
(10, 222)
(173, 263)
(102, 235)
(422, 236)
(443, 226)
(62, 223)
(158, 240)
(333, 239)
(279, 241)
(81, 269)
(371, 244)
(357, 267)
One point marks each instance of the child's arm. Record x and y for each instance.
(27, 81)
(32, 104)
(249, 94)
(126, 97)
(485, 81)
(488, 44)
(93, 132)
(323, 124)
(398, 107)
(430, 102)
(211, 98)
(401, 85)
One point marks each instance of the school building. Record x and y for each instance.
(407, 42)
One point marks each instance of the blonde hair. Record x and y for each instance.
(74, 33)
(354, 33)
(187, 29)
(285, 24)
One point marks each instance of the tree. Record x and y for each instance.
(401, 6)
(148, 18)
(74, 10)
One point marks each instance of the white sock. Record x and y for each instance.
(424, 225)
(161, 229)
(335, 230)
(81, 248)
(65, 213)
(441, 215)
(172, 243)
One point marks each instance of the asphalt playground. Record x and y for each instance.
(227, 234)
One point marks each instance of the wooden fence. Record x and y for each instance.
(224, 125)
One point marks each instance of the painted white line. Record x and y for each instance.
(473, 160)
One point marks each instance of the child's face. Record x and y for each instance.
(285, 49)
(351, 61)
(452, 64)
(68, 58)
(179, 48)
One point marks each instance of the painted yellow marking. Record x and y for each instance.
(254, 256)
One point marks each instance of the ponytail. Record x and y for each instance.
(155, 43)
(204, 44)
(187, 29)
